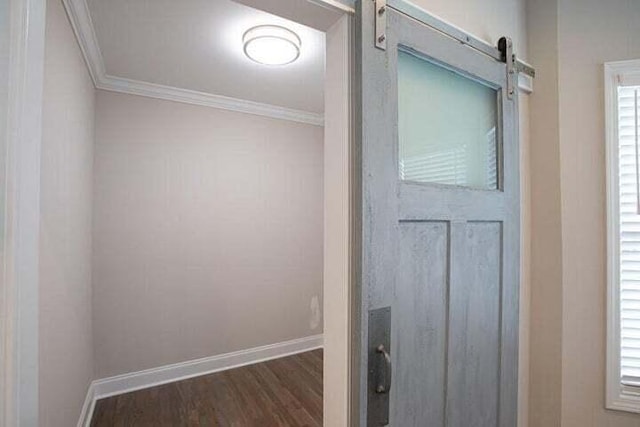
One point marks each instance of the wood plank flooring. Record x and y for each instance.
(280, 392)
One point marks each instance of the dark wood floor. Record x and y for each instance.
(281, 392)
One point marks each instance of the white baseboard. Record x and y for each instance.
(193, 368)
(87, 408)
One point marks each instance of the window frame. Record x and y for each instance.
(618, 396)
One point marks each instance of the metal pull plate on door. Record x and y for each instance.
(383, 380)
(379, 367)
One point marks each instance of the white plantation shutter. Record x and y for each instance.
(442, 167)
(449, 166)
(492, 159)
(629, 250)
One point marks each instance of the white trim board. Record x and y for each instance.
(346, 6)
(133, 381)
(87, 408)
(525, 83)
(80, 19)
(19, 279)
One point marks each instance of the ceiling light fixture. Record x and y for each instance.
(271, 45)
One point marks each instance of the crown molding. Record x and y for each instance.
(80, 18)
(169, 93)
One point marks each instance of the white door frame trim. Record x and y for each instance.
(338, 223)
(20, 279)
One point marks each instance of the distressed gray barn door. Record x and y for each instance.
(439, 266)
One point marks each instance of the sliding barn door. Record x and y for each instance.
(440, 227)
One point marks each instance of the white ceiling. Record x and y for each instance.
(197, 45)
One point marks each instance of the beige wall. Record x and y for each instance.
(546, 250)
(570, 41)
(486, 19)
(66, 348)
(590, 32)
(207, 232)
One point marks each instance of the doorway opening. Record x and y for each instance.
(208, 191)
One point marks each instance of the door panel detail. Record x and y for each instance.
(421, 322)
(474, 324)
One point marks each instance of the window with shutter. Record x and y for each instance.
(622, 108)
(629, 247)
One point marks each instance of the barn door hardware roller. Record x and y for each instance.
(503, 52)
(514, 66)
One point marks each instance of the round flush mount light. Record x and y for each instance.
(271, 45)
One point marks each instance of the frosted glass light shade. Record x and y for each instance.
(271, 45)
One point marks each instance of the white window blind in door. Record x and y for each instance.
(629, 251)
